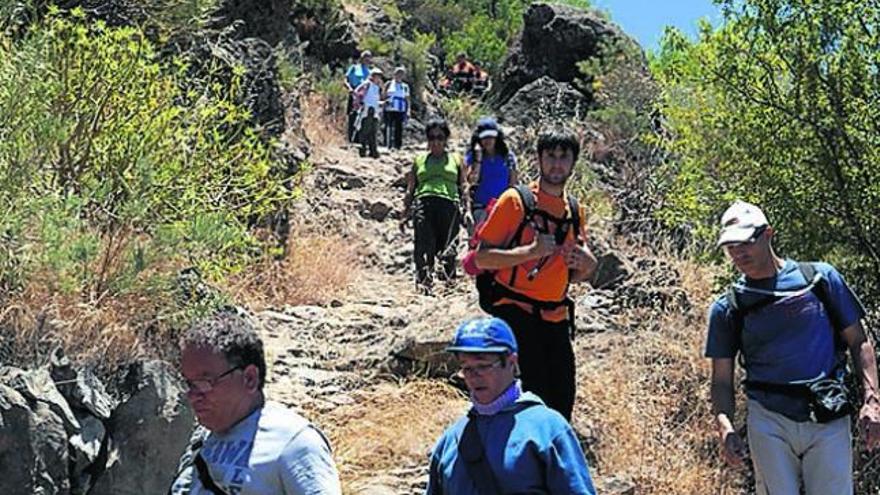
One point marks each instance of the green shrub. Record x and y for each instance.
(779, 106)
(376, 45)
(105, 174)
(414, 55)
(462, 110)
(482, 38)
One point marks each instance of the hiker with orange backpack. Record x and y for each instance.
(436, 188)
(491, 169)
(531, 248)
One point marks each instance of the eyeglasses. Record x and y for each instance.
(436, 137)
(750, 241)
(205, 385)
(480, 369)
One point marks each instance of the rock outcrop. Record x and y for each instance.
(61, 433)
(554, 39)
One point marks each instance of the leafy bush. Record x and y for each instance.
(482, 38)
(414, 55)
(779, 106)
(462, 110)
(376, 45)
(108, 183)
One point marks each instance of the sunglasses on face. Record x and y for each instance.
(436, 137)
(750, 241)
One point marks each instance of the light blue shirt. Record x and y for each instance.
(356, 74)
(273, 451)
(529, 450)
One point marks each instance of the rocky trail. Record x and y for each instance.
(370, 367)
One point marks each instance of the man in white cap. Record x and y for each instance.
(791, 324)
(370, 93)
(509, 442)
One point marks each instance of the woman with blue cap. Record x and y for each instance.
(491, 169)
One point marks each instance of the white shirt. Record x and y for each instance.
(273, 451)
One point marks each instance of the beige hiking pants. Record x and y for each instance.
(787, 453)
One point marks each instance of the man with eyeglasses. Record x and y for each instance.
(246, 445)
(792, 325)
(509, 441)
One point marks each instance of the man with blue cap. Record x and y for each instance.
(509, 442)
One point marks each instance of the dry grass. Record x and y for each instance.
(389, 428)
(644, 397)
(315, 270)
(323, 121)
(101, 335)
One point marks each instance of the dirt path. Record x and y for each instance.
(337, 363)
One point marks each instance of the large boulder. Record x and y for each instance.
(149, 432)
(554, 39)
(33, 443)
(268, 20)
(544, 99)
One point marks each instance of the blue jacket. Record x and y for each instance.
(530, 450)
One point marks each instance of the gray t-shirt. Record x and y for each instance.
(274, 451)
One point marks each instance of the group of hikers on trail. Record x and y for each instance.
(369, 100)
(792, 326)
(375, 105)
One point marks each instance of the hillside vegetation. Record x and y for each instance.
(139, 188)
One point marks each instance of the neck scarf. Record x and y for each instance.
(507, 398)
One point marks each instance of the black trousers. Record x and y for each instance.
(367, 134)
(351, 116)
(546, 358)
(436, 224)
(394, 129)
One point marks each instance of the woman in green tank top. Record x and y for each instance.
(434, 188)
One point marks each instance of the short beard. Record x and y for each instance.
(554, 182)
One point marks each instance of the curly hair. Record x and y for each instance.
(233, 334)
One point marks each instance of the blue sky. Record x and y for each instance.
(645, 19)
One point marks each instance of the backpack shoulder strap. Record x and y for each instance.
(205, 475)
(529, 207)
(527, 197)
(575, 212)
(470, 448)
(820, 289)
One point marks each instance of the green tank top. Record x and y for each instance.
(437, 176)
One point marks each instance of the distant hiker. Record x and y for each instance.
(369, 95)
(435, 187)
(791, 324)
(462, 74)
(250, 446)
(482, 84)
(396, 109)
(491, 169)
(354, 76)
(533, 247)
(509, 442)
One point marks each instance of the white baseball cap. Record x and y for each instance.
(739, 222)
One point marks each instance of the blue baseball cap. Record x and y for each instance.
(483, 335)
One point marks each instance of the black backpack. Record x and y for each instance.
(490, 291)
